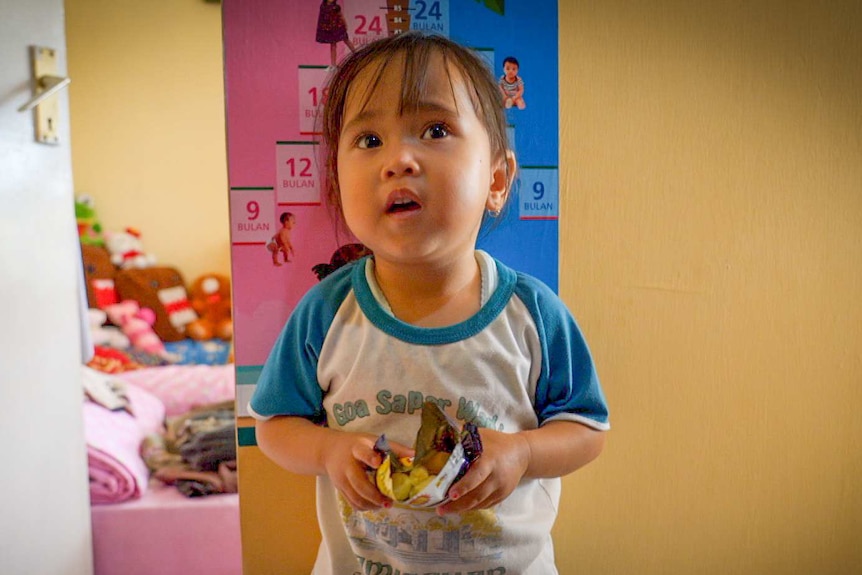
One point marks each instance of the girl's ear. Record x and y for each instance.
(501, 182)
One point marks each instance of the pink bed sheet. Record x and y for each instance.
(166, 533)
(184, 387)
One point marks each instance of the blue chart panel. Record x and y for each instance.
(522, 31)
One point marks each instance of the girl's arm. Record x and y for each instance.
(305, 448)
(553, 450)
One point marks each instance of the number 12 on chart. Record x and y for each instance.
(297, 175)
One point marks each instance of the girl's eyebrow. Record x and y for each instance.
(423, 106)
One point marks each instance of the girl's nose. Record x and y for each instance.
(401, 161)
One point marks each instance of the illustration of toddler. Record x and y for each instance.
(332, 28)
(512, 85)
(280, 242)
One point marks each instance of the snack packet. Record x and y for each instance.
(444, 453)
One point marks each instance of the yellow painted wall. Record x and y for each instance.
(148, 130)
(711, 172)
(712, 248)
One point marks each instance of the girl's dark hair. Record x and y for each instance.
(417, 49)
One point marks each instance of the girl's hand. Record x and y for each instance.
(504, 460)
(347, 461)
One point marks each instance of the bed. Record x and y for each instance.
(159, 421)
(153, 513)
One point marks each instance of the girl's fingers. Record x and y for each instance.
(475, 477)
(366, 492)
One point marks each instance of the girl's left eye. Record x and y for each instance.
(435, 131)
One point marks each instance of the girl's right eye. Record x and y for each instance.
(366, 141)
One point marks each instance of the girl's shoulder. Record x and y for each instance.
(535, 294)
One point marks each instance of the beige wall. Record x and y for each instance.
(148, 132)
(711, 248)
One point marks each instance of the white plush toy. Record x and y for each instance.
(126, 249)
(105, 335)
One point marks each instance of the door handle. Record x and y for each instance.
(47, 82)
(47, 86)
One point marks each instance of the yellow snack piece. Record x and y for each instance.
(384, 479)
(418, 474)
(435, 462)
(417, 488)
(402, 486)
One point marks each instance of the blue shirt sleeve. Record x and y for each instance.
(288, 383)
(568, 386)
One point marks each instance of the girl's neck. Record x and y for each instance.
(431, 296)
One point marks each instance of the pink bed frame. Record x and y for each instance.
(167, 533)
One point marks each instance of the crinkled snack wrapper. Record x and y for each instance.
(439, 444)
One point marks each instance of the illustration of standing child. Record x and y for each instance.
(512, 85)
(332, 28)
(280, 242)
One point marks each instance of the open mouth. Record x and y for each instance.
(401, 206)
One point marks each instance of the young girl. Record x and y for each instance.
(417, 157)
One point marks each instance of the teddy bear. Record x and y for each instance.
(210, 298)
(103, 335)
(137, 324)
(127, 250)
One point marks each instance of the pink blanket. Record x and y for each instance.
(117, 471)
(182, 388)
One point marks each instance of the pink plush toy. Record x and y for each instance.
(105, 335)
(137, 323)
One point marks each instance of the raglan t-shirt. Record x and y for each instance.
(343, 360)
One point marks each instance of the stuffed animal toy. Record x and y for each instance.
(104, 335)
(127, 251)
(137, 324)
(89, 227)
(210, 298)
(99, 274)
(163, 290)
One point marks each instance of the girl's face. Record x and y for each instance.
(414, 186)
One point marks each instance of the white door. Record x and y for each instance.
(44, 499)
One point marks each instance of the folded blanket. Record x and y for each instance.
(200, 483)
(197, 453)
(117, 472)
(205, 436)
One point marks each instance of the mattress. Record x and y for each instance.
(167, 533)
